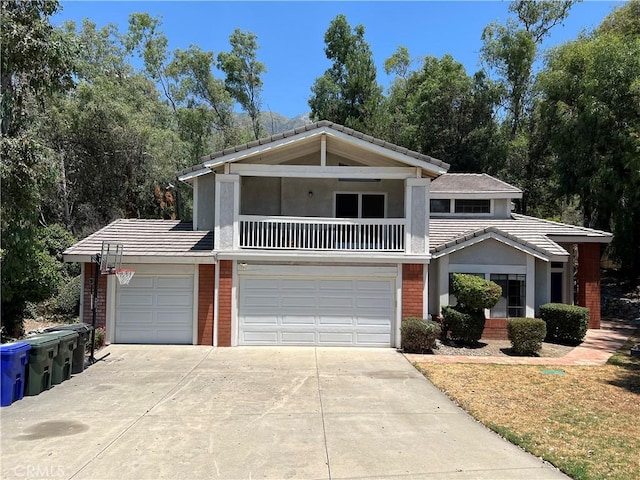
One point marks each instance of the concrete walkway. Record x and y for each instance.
(151, 412)
(596, 349)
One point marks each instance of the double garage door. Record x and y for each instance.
(155, 309)
(350, 307)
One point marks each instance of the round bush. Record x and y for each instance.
(475, 293)
(565, 323)
(464, 326)
(526, 335)
(68, 298)
(419, 335)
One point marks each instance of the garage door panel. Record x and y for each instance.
(261, 301)
(298, 338)
(335, 302)
(174, 300)
(335, 320)
(316, 310)
(298, 320)
(140, 299)
(335, 338)
(174, 283)
(259, 338)
(371, 321)
(382, 339)
(139, 281)
(298, 301)
(132, 319)
(261, 320)
(155, 309)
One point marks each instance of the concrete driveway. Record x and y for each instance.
(148, 412)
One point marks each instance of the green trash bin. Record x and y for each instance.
(44, 349)
(63, 361)
(84, 337)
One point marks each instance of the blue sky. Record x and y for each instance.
(291, 34)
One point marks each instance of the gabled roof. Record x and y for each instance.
(451, 185)
(146, 238)
(341, 132)
(539, 237)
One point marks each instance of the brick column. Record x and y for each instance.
(589, 280)
(412, 290)
(101, 303)
(224, 303)
(206, 276)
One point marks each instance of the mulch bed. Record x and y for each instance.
(496, 348)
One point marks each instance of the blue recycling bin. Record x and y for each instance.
(14, 358)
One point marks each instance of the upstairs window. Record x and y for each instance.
(472, 206)
(440, 205)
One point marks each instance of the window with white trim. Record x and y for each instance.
(513, 300)
(472, 206)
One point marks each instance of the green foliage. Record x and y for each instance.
(565, 323)
(99, 339)
(244, 72)
(348, 92)
(68, 298)
(463, 326)
(591, 118)
(418, 335)
(475, 293)
(526, 334)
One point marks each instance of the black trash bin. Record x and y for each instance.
(84, 337)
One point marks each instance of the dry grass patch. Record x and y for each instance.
(586, 421)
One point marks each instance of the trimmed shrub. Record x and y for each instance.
(475, 293)
(464, 326)
(68, 298)
(526, 334)
(565, 323)
(418, 335)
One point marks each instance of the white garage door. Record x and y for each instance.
(155, 309)
(349, 311)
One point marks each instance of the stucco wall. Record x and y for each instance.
(502, 208)
(260, 196)
(489, 252)
(543, 287)
(297, 202)
(206, 199)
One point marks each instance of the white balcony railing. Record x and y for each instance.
(314, 233)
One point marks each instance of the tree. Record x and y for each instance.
(36, 62)
(441, 111)
(591, 115)
(509, 52)
(244, 72)
(348, 92)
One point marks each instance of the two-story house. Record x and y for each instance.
(325, 236)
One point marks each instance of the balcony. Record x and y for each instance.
(315, 233)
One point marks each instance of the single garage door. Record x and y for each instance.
(349, 311)
(155, 309)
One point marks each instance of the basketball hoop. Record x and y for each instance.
(124, 276)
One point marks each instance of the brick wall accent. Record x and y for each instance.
(224, 303)
(589, 281)
(495, 329)
(101, 304)
(206, 279)
(412, 289)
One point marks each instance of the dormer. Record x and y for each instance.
(471, 195)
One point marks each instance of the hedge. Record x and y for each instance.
(68, 299)
(419, 335)
(526, 335)
(464, 326)
(565, 323)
